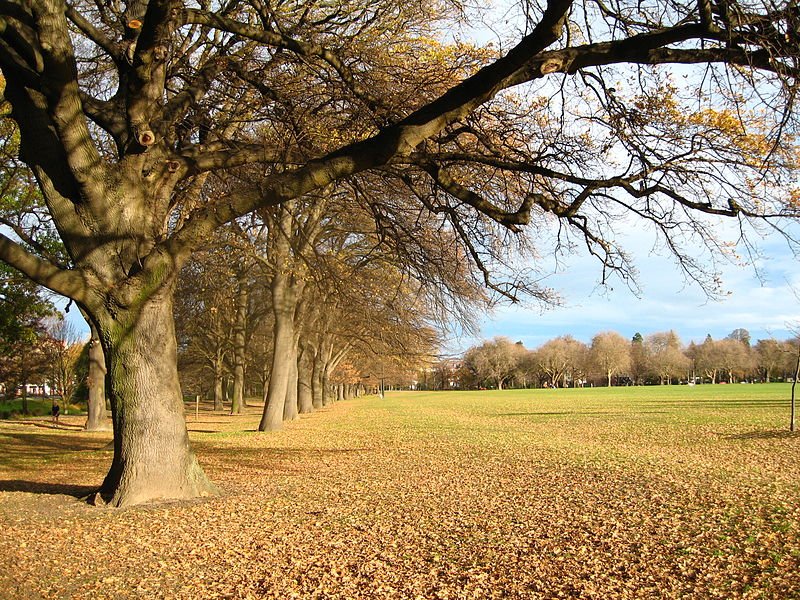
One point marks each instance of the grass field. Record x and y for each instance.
(658, 492)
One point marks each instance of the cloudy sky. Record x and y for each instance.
(762, 303)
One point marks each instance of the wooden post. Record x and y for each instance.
(197, 407)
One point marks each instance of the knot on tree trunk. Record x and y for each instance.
(144, 135)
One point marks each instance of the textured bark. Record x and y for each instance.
(316, 381)
(152, 458)
(283, 305)
(326, 388)
(239, 349)
(219, 379)
(290, 407)
(96, 417)
(305, 399)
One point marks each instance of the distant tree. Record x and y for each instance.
(733, 358)
(769, 355)
(665, 356)
(559, 358)
(705, 358)
(495, 361)
(610, 354)
(639, 363)
(23, 310)
(62, 347)
(740, 335)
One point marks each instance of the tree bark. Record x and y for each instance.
(239, 349)
(219, 380)
(316, 381)
(290, 408)
(305, 399)
(96, 417)
(152, 457)
(283, 303)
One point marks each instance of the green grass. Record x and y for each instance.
(37, 407)
(722, 431)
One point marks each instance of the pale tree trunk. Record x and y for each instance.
(96, 417)
(316, 380)
(340, 392)
(219, 380)
(609, 373)
(283, 303)
(325, 385)
(305, 399)
(290, 409)
(152, 456)
(239, 350)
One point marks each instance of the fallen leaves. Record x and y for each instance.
(432, 498)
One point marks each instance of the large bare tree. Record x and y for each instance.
(125, 112)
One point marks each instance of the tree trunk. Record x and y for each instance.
(239, 349)
(219, 381)
(316, 381)
(290, 406)
(305, 399)
(283, 306)
(325, 387)
(152, 456)
(96, 418)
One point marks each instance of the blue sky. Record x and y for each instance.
(766, 307)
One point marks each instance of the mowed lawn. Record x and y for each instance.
(658, 492)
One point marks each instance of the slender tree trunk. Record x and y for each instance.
(96, 417)
(316, 381)
(152, 456)
(290, 406)
(305, 399)
(325, 385)
(283, 306)
(219, 381)
(340, 392)
(239, 350)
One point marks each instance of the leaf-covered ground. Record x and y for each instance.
(648, 493)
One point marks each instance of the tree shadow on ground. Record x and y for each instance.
(40, 487)
(48, 425)
(771, 434)
(19, 448)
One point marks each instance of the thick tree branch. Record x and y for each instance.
(60, 87)
(65, 282)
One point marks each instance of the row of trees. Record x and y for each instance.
(610, 359)
(307, 300)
